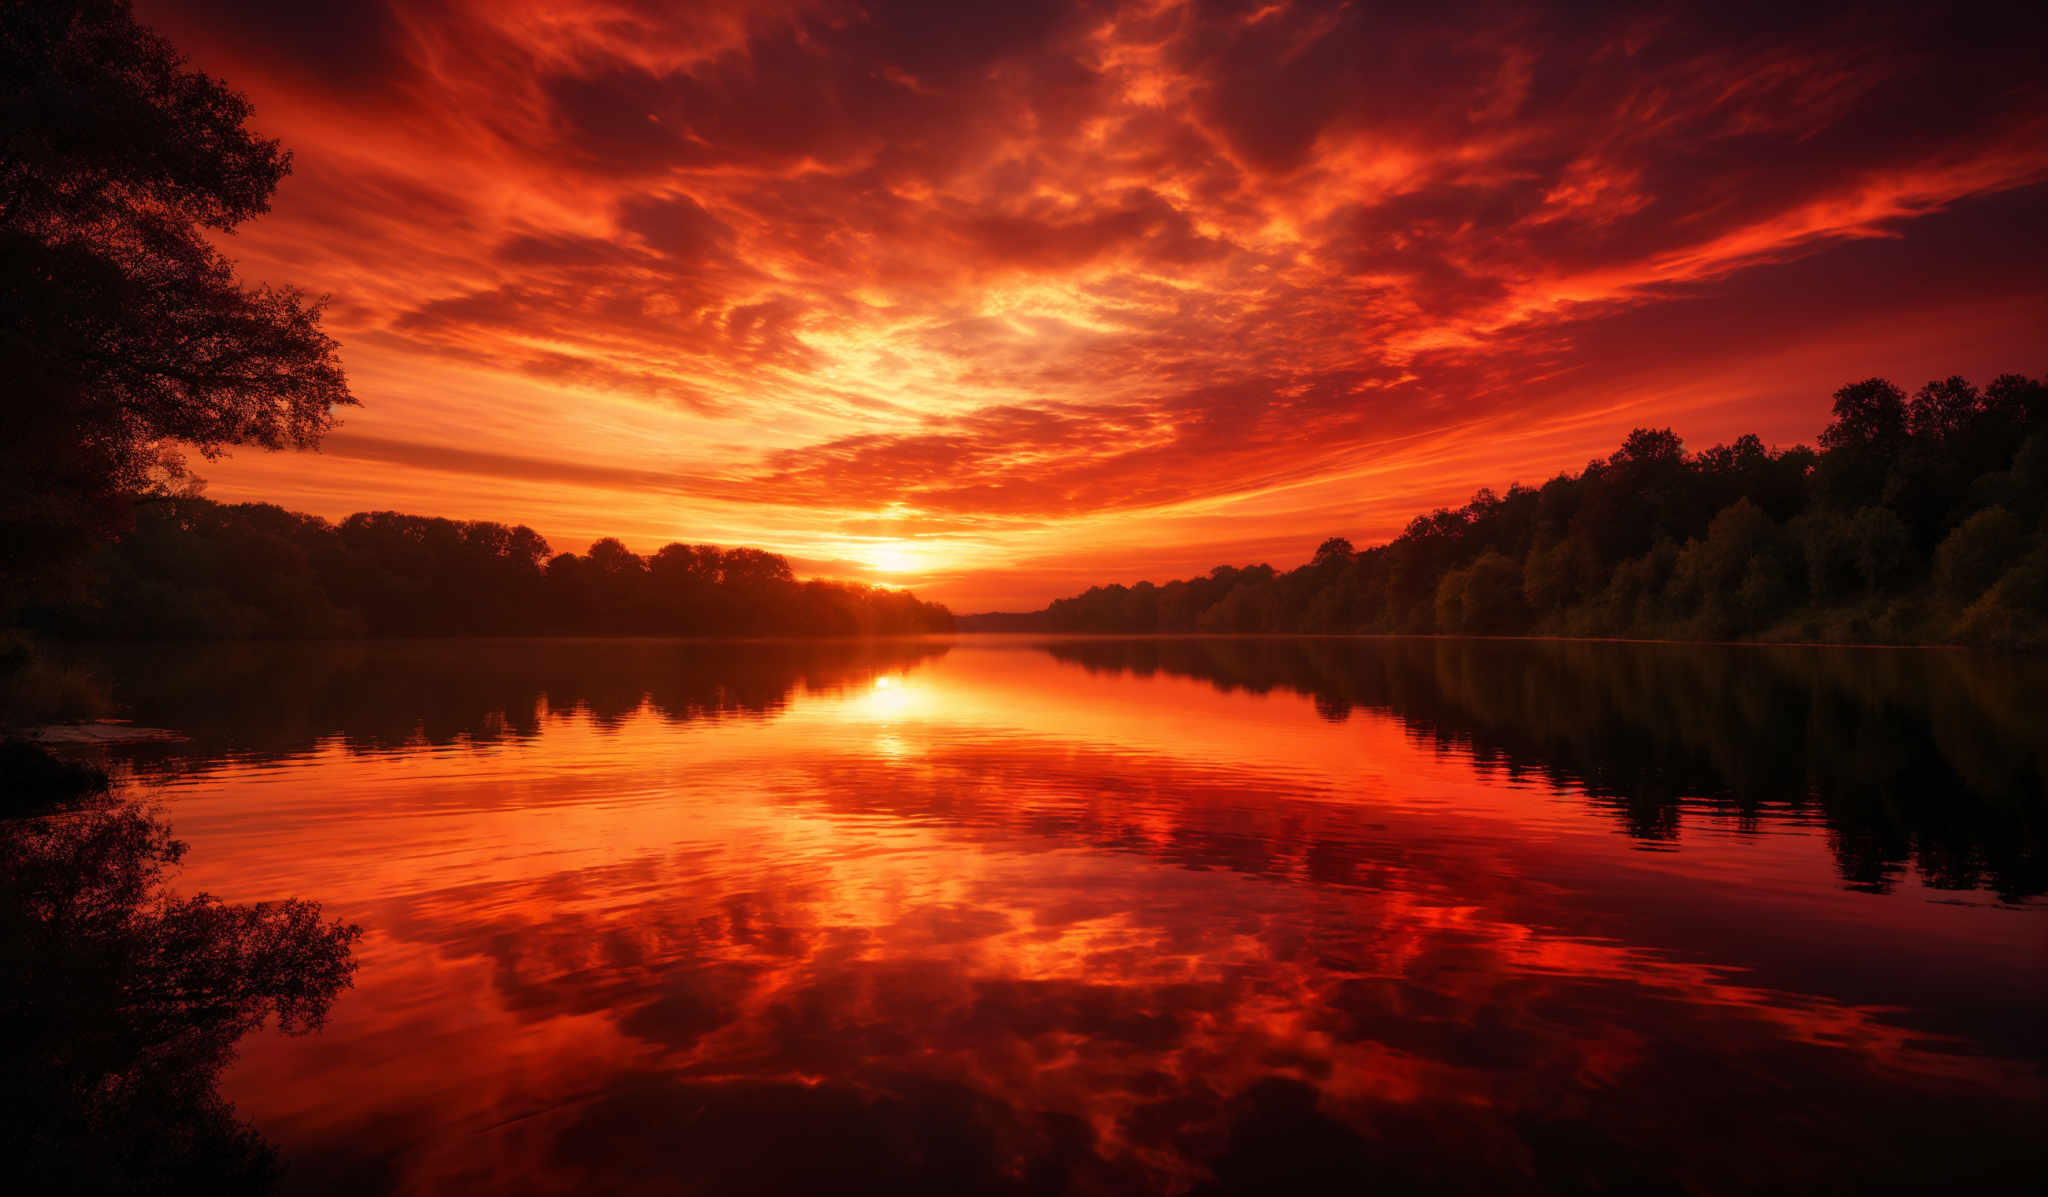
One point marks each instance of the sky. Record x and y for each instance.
(999, 301)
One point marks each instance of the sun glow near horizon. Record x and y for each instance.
(911, 310)
(896, 558)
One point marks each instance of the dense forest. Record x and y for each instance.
(193, 569)
(1917, 520)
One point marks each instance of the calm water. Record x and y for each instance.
(1107, 916)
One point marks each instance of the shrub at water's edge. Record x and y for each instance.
(1917, 520)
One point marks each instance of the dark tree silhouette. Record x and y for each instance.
(121, 1003)
(123, 331)
(1918, 520)
(192, 569)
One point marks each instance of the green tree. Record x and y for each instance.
(1550, 577)
(1734, 577)
(1824, 541)
(1484, 597)
(2014, 612)
(1977, 553)
(1881, 547)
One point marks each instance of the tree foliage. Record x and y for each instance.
(124, 332)
(1917, 519)
(195, 569)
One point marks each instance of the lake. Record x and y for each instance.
(992, 914)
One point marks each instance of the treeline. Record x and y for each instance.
(1917, 520)
(192, 569)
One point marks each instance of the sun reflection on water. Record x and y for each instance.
(996, 893)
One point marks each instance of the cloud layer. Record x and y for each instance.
(1022, 295)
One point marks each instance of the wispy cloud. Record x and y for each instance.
(1024, 270)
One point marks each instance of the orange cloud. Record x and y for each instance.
(1070, 282)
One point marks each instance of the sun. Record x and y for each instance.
(893, 557)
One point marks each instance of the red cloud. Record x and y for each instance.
(1010, 270)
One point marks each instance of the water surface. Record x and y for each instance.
(995, 915)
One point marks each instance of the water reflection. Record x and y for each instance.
(1211, 917)
(272, 701)
(1933, 758)
(120, 1004)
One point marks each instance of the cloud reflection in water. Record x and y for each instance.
(981, 920)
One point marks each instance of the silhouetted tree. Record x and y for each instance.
(1738, 539)
(122, 329)
(192, 569)
(1861, 445)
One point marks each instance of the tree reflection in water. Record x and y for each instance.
(658, 916)
(279, 701)
(1928, 758)
(121, 1003)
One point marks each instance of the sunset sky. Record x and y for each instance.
(1000, 300)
